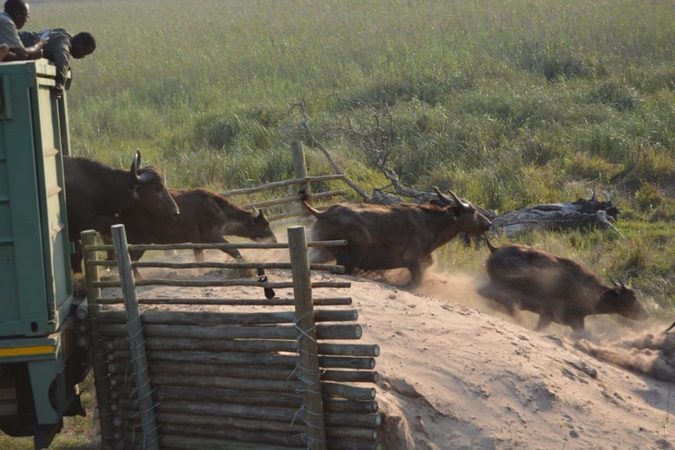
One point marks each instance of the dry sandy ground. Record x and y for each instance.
(456, 375)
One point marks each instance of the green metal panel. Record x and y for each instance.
(35, 283)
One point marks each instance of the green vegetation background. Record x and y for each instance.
(507, 102)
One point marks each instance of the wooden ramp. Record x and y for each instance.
(240, 373)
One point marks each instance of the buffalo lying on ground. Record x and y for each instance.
(205, 217)
(388, 237)
(95, 191)
(558, 289)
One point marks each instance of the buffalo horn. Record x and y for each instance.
(135, 165)
(618, 284)
(459, 203)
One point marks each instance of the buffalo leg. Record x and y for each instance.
(233, 252)
(577, 323)
(416, 273)
(348, 259)
(199, 255)
(544, 321)
(76, 257)
(501, 297)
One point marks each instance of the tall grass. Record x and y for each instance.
(507, 102)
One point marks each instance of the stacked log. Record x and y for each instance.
(239, 380)
(245, 389)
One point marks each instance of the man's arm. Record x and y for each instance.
(59, 54)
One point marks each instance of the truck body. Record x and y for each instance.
(40, 361)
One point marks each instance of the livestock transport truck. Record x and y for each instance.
(40, 360)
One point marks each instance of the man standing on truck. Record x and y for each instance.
(12, 19)
(60, 47)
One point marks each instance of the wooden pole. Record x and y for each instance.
(136, 339)
(97, 355)
(309, 373)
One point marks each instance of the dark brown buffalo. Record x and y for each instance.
(387, 237)
(205, 217)
(95, 191)
(558, 289)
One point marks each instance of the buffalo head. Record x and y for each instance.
(149, 190)
(621, 300)
(469, 220)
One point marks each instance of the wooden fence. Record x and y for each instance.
(286, 208)
(183, 379)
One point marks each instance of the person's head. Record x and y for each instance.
(83, 44)
(18, 11)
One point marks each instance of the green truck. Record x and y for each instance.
(40, 359)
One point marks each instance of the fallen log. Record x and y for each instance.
(581, 214)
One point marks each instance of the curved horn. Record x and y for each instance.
(441, 196)
(616, 283)
(135, 165)
(458, 202)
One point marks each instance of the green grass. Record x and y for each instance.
(508, 103)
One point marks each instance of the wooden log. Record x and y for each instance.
(136, 339)
(342, 362)
(243, 436)
(222, 265)
(220, 283)
(103, 399)
(348, 392)
(246, 345)
(256, 372)
(226, 421)
(307, 345)
(277, 184)
(172, 441)
(219, 318)
(328, 332)
(338, 301)
(353, 376)
(220, 358)
(287, 438)
(353, 444)
(241, 245)
(271, 413)
(225, 382)
(249, 397)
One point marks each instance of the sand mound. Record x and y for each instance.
(456, 375)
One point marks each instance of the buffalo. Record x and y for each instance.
(558, 289)
(388, 237)
(205, 217)
(95, 191)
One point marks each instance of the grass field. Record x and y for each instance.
(507, 102)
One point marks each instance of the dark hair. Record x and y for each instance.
(84, 39)
(15, 6)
